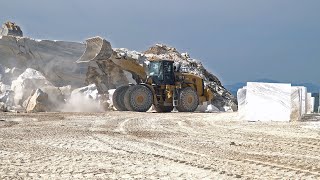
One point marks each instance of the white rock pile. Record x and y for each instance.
(44, 75)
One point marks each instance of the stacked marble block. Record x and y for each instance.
(310, 103)
(316, 102)
(273, 102)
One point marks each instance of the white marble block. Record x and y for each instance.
(273, 102)
(312, 104)
(303, 99)
(241, 98)
(296, 102)
(268, 102)
(308, 102)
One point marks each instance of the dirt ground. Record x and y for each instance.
(127, 145)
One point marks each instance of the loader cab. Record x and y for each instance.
(161, 72)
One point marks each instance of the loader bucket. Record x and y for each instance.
(97, 49)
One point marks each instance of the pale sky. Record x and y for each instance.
(237, 40)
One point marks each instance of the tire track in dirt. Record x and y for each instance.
(141, 145)
(177, 160)
(283, 162)
(159, 148)
(188, 160)
(266, 164)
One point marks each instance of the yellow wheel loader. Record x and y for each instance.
(160, 83)
(165, 88)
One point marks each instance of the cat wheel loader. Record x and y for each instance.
(165, 88)
(160, 83)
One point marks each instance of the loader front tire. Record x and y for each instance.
(118, 98)
(138, 98)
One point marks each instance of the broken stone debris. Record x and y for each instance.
(38, 101)
(10, 29)
(57, 95)
(28, 81)
(85, 99)
(207, 107)
(3, 107)
(52, 67)
(89, 92)
(7, 97)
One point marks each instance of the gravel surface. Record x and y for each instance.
(128, 145)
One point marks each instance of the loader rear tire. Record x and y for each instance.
(118, 98)
(138, 98)
(188, 100)
(163, 109)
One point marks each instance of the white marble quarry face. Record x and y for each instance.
(241, 98)
(268, 102)
(296, 100)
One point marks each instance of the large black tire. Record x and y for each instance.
(118, 98)
(163, 109)
(188, 100)
(138, 98)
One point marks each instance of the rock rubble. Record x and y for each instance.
(38, 101)
(11, 29)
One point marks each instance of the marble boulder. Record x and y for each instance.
(28, 81)
(309, 103)
(38, 102)
(312, 104)
(265, 102)
(11, 29)
(85, 99)
(296, 103)
(316, 102)
(206, 107)
(303, 99)
(241, 95)
(273, 102)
